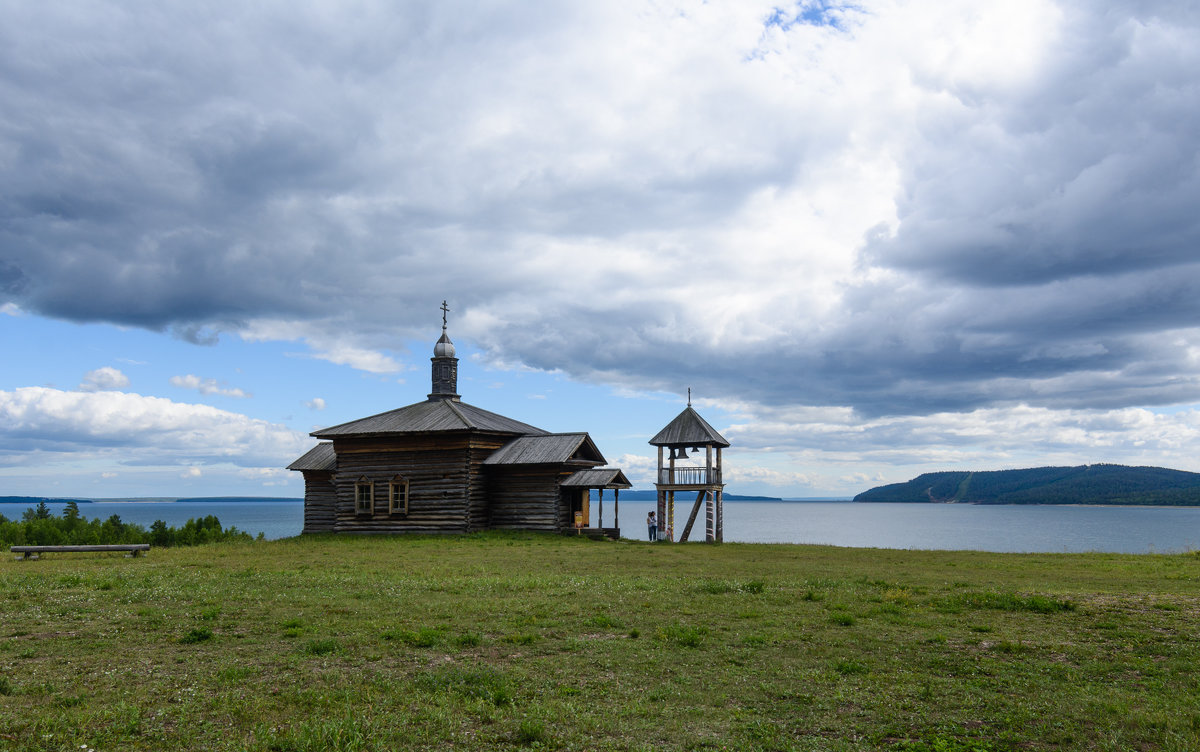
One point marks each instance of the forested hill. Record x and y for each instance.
(1086, 484)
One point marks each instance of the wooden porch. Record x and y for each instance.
(578, 490)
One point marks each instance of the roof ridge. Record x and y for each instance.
(459, 413)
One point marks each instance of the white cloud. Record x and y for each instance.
(11, 309)
(108, 475)
(640, 470)
(103, 379)
(837, 449)
(268, 476)
(191, 472)
(206, 386)
(360, 358)
(740, 474)
(333, 344)
(135, 429)
(316, 403)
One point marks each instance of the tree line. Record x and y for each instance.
(39, 526)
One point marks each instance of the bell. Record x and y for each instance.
(679, 453)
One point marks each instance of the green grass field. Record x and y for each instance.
(541, 642)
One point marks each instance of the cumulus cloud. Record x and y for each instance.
(896, 208)
(826, 449)
(316, 403)
(268, 476)
(742, 474)
(133, 429)
(103, 379)
(640, 470)
(206, 386)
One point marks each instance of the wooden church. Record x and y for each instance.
(445, 466)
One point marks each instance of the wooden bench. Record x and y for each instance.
(31, 552)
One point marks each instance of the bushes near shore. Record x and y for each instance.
(39, 527)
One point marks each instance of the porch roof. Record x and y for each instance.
(600, 477)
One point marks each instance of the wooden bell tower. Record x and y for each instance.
(689, 431)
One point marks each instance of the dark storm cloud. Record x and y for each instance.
(151, 178)
(628, 196)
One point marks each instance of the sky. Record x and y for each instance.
(875, 238)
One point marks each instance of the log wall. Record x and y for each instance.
(525, 497)
(446, 492)
(319, 501)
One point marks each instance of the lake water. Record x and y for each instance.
(274, 519)
(1011, 528)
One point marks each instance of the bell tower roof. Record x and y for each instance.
(689, 429)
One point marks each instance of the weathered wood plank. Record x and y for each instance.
(692, 517)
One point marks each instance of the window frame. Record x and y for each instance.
(398, 503)
(364, 504)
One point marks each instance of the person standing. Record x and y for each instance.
(652, 526)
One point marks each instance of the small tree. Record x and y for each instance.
(113, 530)
(160, 534)
(71, 511)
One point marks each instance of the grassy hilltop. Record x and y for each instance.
(525, 641)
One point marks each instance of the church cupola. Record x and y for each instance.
(445, 365)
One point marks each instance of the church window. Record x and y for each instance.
(364, 496)
(398, 495)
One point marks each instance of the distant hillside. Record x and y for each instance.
(36, 499)
(1086, 484)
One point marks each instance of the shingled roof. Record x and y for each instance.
(688, 429)
(430, 416)
(320, 457)
(599, 477)
(554, 448)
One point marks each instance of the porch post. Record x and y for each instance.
(600, 512)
